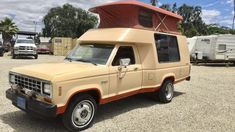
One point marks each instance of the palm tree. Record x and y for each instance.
(8, 29)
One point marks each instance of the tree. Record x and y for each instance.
(166, 7)
(216, 29)
(192, 23)
(174, 8)
(68, 21)
(192, 20)
(8, 29)
(153, 2)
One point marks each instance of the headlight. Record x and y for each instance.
(12, 78)
(47, 89)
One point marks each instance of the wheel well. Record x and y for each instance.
(169, 78)
(94, 93)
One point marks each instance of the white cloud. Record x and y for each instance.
(210, 4)
(229, 1)
(24, 12)
(209, 16)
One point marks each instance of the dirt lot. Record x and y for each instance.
(206, 103)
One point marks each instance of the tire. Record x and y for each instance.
(36, 56)
(71, 116)
(13, 56)
(1, 54)
(166, 92)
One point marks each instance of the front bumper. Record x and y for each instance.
(32, 105)
(25, 52)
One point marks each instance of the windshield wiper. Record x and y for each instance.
(87, 61)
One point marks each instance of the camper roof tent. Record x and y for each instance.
(134, 14)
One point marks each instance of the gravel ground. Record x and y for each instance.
(206, 103)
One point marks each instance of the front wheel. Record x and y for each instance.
(80, 113)
(166, 92)
(36, 56)
(13, 56)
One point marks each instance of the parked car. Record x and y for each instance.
(43, 49)
(1, 49)
(108, 64)
(24, 47)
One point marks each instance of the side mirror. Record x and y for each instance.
(125, 62)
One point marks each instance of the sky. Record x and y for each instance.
(26, 12)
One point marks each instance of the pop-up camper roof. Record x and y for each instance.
(134, 14)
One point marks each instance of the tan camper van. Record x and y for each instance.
(109, 63)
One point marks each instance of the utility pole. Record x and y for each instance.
(233, 14)
(35, 26)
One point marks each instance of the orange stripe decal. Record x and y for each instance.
(61, 110)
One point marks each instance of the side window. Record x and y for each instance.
(222, 47)
(145, 19)
(124, 52)
(167, 48)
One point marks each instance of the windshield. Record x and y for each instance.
(28, 41)
(91, 53)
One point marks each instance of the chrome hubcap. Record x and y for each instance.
(169, 91)
(83, 113)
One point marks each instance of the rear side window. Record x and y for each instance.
(145, 19)
(167, 48)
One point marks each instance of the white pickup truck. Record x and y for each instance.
(25, 47)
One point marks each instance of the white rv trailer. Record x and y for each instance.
(213, 48)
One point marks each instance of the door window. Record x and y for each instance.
(122, 53)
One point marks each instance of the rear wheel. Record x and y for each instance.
(36, 56)
(166, 92)
(80, 113)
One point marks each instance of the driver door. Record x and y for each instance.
(125, 79)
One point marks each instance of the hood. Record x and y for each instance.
(24, 44)
(62, 71)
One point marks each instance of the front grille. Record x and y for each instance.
(25, 48)
(22, 48)
(29, 83)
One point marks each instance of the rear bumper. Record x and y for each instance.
(43, 52)
(32, 105)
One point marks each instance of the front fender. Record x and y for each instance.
(61, 107)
